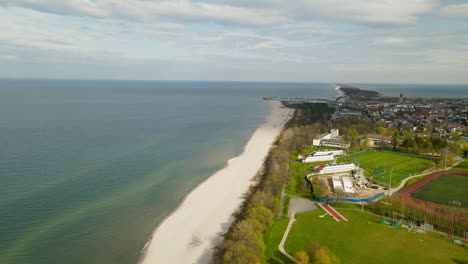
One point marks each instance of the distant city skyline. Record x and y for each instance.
(359, 41)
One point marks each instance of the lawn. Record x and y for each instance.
(363, 240)
(463, 166)
(446, 188)
(377, 164)
(273, 237)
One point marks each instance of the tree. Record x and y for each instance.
(324, 255)
(447, 156)
(321, 257)
(263, 215)
(302, 257)
(429, 128)
(240, 253)
(395, 139)
(367, 142)
(312, 247)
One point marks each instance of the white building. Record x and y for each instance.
(337, 183)
(343, 184)
(306, 159)
(331, 139)
(317, 140)
(348, 185)
(335, 168)
(335, 143)
(327, 152)
(322, 155)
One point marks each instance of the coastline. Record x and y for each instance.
(196, 226)
(337, 89)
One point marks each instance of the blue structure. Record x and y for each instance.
(350, 200)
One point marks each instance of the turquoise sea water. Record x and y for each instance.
(89, 168)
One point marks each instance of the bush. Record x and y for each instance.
(301, 257)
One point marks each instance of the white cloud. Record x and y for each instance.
(244, 12)
(367, 12)
(455, 11)
(391, 41)
(138, 10)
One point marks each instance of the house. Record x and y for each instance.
(379, 140)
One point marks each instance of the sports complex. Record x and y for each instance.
(444, 188)
(381, 165)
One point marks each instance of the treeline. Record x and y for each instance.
(406, 140)
(244, 241)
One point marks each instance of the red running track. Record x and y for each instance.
(406, 192)
(333, 212)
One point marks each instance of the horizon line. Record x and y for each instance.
(219, 81)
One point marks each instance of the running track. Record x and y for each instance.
(337, 216)
(406, 192)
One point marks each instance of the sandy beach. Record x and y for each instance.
(189, 234)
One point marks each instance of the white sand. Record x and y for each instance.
(189, 234)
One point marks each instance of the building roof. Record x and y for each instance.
(381, 137)
(322, 136)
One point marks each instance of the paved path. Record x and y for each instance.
(285, 236)
(404, 181)
(296, 205)
(300, 205)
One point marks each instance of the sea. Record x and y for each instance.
(89, 168)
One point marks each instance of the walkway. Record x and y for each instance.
(337, 216)
(296, 205)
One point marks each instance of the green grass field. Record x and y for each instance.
(446, 188)
(273, 237)
(379, 163)
(363, 240)
(463, 166)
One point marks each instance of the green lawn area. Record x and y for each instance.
(378, 164)
(363, 240)
(273, 237)
(297, 185)
(463, 166)
(446, 188)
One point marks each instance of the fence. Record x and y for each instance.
(349, 199)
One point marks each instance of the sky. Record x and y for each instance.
(375, 41)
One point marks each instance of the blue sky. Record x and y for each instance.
(398, 41)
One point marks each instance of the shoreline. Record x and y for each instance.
(190, 232)
(337, 89)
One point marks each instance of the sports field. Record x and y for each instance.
(363, 240)
(446, 188)
(378, 164)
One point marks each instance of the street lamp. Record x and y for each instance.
(445, 164)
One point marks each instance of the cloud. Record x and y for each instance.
(138, 10)
(242, 12)
(366, 12)
(454, 11)
(391, 41)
